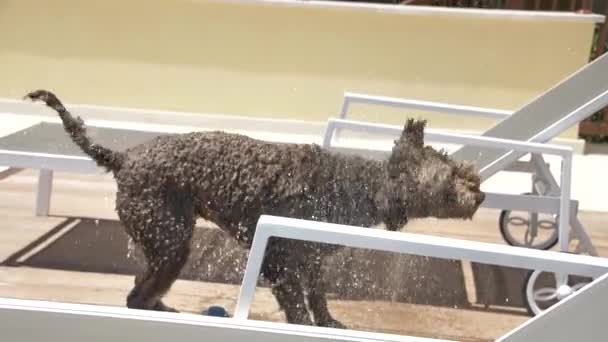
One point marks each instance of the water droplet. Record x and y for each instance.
(130, 248)
(97, 222)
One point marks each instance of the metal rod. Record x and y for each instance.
(43, 193)
(423, 105)
(564, 211)
(435, 135)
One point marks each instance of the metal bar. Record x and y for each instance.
(585, 241)
(252, 272)
(564, 208)
(539, 204)
(31, 320)
(423, 105)
(550, 132)
(522, 167)
(435, 135)
(542, 169)
(29, 160)
(577, 115)
(398, 242)
(43, 193)
(344, 107)
(329, 134)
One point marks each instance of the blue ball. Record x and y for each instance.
(216, 311)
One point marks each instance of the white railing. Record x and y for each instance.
(599, 101)
(496, 201)
(431, 106)
(398, 242)
(34, 321)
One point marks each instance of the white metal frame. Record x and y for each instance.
(448, 108)
(398, 242)
(47, 164)
(582, 112)
(33, 321)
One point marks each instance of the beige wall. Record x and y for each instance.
(278, 61)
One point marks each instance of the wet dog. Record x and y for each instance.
(165, 184)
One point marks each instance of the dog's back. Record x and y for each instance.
(234, 179)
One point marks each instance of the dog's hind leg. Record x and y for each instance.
(317, 300)
(164, 231)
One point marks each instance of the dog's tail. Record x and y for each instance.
(75, 127)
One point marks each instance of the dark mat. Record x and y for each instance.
(357, 274)
(102, 246)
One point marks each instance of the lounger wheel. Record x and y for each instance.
(531, 230)
(541, 290)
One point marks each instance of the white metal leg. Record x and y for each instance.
(43, 194)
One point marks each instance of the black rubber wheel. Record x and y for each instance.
(503, 222)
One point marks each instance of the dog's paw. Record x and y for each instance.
(160, 306)
(332, 323)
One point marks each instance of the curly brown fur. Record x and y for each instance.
(164, 185)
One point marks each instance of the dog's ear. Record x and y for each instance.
(413, 133)
(409, 144)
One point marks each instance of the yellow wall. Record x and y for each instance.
(277, 61)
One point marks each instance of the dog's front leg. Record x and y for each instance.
(290, 295)
(282, 271)
(317, 299)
